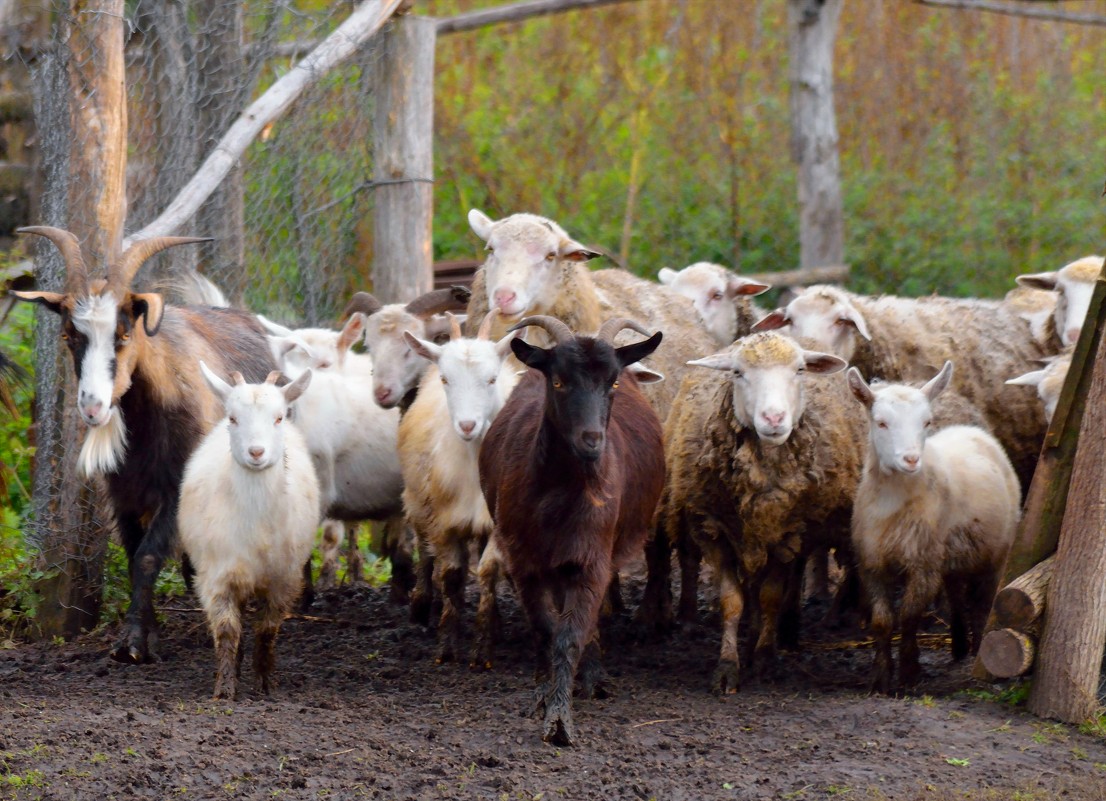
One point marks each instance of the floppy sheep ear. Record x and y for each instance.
(824, 363)
(276, 329)
(352, 331)
(297, 387)
(1028, 379)
(428, 350)
(1046, 281)
(774, 319)
(716, 361)
(666, 276)
(54, 301)
(936, 385)
(860, 388)
(742, 287)
(571, 250)
(530, 355)
(855, 320)
(480, 223)
(218, 385)
(636, 351)
(644, 375)
(150, 306)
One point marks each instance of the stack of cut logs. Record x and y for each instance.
(1009, 649)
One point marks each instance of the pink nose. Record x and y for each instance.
(93, 410)
(1073, 335)
(467, 426)
(911, 460)
(257, 453)
(383, 395)
(772, 418)
(504, 297)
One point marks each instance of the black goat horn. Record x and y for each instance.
(560, 332)
(609, 329)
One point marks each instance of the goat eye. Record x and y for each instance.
(233, 420)
(737, 374)
(278, 421)
(551, 256)
(881, 424)
(445, 380)
(614, 385)
(492, 380)
(929, 424)
(557, 383)
(716, 295)
(64, 337)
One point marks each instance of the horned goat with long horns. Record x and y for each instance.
(146, 404)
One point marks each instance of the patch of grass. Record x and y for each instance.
(958, 762)
(1047, 732)
(98, 758)
(1014, 694)
(1096, 727)
(838, 789)
(926, 701)
(32, 778)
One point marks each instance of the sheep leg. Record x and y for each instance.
(655, 610)
(727, 675)
(269, 617)
(691, 557)
(958, 619)
(145, 561)
(771, 595)
(883, 623)
(328, 571)
(819, 575)
(398, 548)
(355, 565)
(981, 595)
(451, 567)
(583, 595)
(790, 619)
(422, 597)
(225, 619)
(921, 589)
(487, 613)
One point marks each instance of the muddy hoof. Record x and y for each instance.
(726, 680)
(880, 683)
(133, 650)
(420, 610)
(558, 729)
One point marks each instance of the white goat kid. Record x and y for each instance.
(249, 508)
(930, 509)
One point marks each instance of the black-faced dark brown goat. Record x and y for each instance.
(144, 399)
(572, 469)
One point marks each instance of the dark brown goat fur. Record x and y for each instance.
(566, 523)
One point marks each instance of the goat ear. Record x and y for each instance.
(480, 223)
(150, 305)
(352, 331)
(774, 319)
(936, 385)
(54, 301)
(297, 387)
(571, 250)
(742, 287)
(860, 389)
(530, 355)
(1028, 379)
(276, 329)
(823, 362)
(1046, 281)
(636, 351)
(428, 350)
(644, 375)
(218, 385)
(716, 361)
(666, 276)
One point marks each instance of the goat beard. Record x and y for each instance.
(104, 446)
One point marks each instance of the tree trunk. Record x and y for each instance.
(1065, 684)
(81, 106)
(1007, 653)
(403, 160)
(812, 25)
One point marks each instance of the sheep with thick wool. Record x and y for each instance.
(439, 442)
(763, 457)
(249, 507)
(931, 509)
(908, 339)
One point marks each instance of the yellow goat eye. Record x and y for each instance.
(557, 383)
(614, 385)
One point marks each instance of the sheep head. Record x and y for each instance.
(824, 315)
(714, 291)
(1073, 285)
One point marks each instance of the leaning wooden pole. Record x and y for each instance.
(403, 160)
(1065, 681)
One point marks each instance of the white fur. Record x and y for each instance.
(1049, 381)
(95, 316)
(104, 446)
(1074, 285)
(713, 289)
(396, 369)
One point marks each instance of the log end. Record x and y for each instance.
(1007, 653)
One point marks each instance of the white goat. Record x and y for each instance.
(1073, 285)
(719, 296)
(930, 509)
(249, 507)
(439, 442)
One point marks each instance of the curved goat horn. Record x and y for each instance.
(485, 330)
(560, 332)
(70, 248)
(362, 302)
(454, 298)
(122, 271)
(608, 330)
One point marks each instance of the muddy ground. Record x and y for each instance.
(362, 711)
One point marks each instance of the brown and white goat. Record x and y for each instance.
(141, 393)
(571, 470)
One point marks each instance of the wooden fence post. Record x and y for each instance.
(403, 160)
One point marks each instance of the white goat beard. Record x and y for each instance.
(104, 446)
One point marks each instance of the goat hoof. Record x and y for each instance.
(480, 663)
(559, 729)
(726, 679)
(420, 610)
(130, 652)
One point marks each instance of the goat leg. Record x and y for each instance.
(145, 564)
(328, 570)
(422, 598)
(921, 589)
(398, 547)
(450, 571)
(883, 623)
(593, 680)
(958, 616)
(487, 613)
(269, 617)
(225, 620)
(655, 611)
(355, 565)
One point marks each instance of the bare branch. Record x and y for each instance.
(514, 12)
(365, 20)
(1013, 10)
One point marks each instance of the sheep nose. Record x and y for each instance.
(911, 459)
(256, 453)
(773, 418)
(504, 297)
(592, 438)
(466, 426)
(383, 395)
(1073, 335)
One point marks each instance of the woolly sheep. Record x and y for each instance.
(1073, 285)
(721, 298)
(439, 442)
(248, 511)
(908, 339)
(931, 509)
(763, 457)
(1049, 381)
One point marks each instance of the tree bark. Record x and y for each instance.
(1007, 653)
(403, 160)
(1021, 603)
(812, 26)
(1065, 684)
